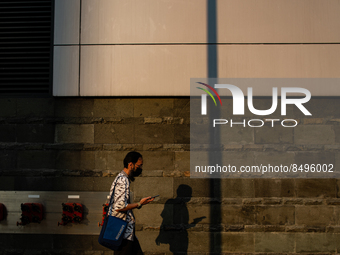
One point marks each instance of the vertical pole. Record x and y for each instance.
(215, 184)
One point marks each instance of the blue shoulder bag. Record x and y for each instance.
(111, 234)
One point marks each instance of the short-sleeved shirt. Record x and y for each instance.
(121, 200)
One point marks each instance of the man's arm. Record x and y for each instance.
(143, 201)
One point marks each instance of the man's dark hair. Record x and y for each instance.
(132, 157)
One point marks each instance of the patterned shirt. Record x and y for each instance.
(121, 200)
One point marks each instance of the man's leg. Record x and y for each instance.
(126, 248)
(137, 250)
(129, 248)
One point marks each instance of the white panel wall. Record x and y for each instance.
(124, 70)
(278, 21)
(239, 21)
(66, 21)
(147, 21)
(66, 49)
(279, 61)
(66, 71)
(166, 69)
(149, 48)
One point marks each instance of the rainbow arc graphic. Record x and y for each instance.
(207, 91)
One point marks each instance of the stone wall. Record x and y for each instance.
(78, 144)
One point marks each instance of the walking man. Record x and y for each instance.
(122, 208)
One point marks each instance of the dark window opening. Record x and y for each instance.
(26, 47)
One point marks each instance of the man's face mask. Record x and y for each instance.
(136, 172)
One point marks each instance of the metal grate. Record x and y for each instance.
(26, 47)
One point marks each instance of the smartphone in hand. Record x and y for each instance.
(154, 196)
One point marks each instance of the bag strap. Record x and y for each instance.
(112, 196)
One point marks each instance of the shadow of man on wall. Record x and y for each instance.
(173, 230)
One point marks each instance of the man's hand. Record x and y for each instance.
(146, 200)
(143, 201)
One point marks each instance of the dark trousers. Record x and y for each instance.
(129, 248)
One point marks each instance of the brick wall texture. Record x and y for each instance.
(65, 144)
